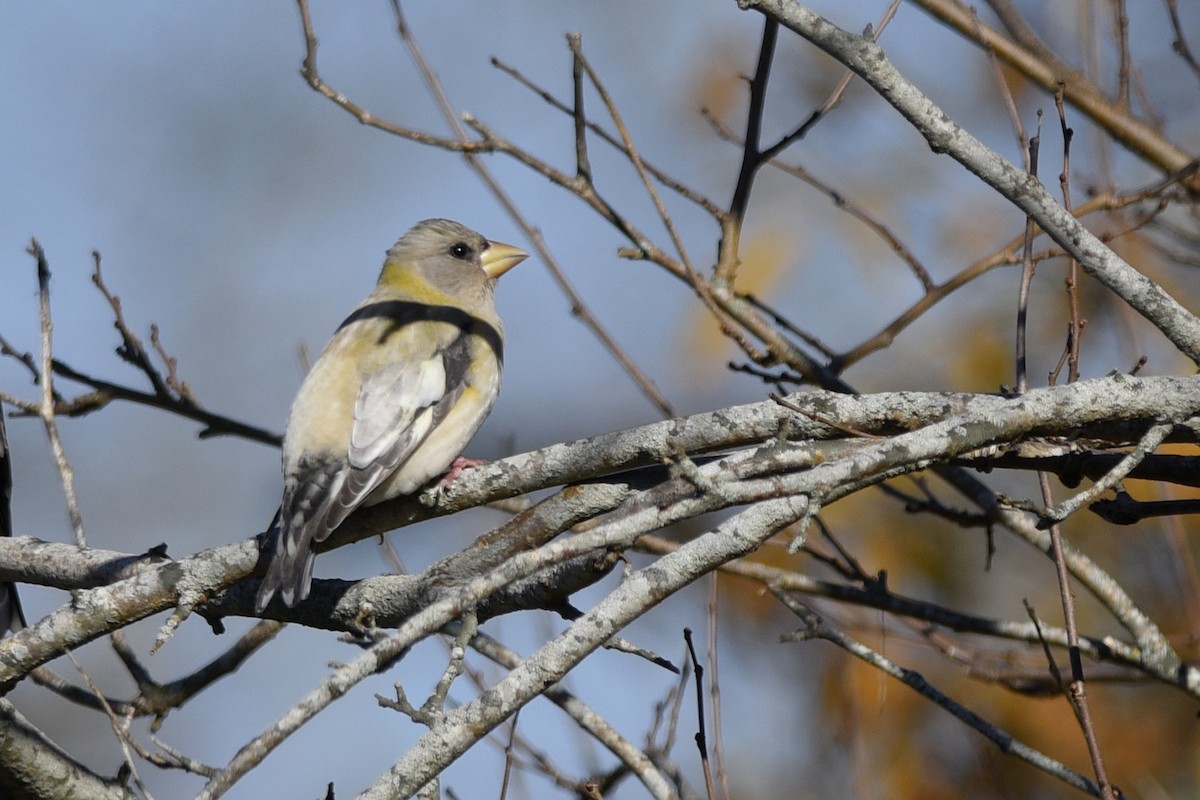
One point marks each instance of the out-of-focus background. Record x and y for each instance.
(245, 215)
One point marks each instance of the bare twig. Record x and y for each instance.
(124, 738)
(1121, 32)
(47, 408)
(309, 71)
(170, 393)
(842, 202)
(633, 757)
(1124, 510)
(754, 154)
(701, 734)
(816, 628)
(1179, 44)
(1010, 105)
(875, 595)
(578, 307)
(1076, 323)
(1028, 55)
(714, 684)
(106, 391)
(679, 188)
(752, 158)
(1173, 320)
(1027, 265)
(172, 379)
(1153, 438)
(635, 157)
(131, 348)
(1076, 689)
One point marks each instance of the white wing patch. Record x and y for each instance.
(392, 414)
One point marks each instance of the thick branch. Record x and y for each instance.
(33, 767)
(942, 426)
(1038, 63)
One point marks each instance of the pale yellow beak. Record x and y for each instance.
(499, 258)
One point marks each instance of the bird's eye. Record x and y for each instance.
(461, 251)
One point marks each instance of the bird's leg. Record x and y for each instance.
(456, 468)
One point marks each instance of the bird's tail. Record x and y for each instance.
(289, 573)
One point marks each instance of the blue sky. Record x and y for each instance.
(245, 215)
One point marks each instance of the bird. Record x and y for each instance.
(396, 395)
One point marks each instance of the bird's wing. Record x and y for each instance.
(407, 389)
(397, 408)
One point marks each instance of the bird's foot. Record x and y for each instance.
(456, 468)
(435, 492)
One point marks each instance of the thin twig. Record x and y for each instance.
(1124, 510)
(48, 405)
(1076, 689)
(1075, 324)
(841, 201)
(816, 627)
(788, 326)
(875, 595)
(578, 308)
(703, 289)
(177, 385)
(508, 756)
(1027, 265)
(752, 158)
(714, 685)
(1179, 43)
(124, 737)
(635, 157)
(701, 737)
(182, 404)
(754, 155)
(1153, 438)
(1010, 105)
(873, 32)
(1032, 58)
(1121, 31)
(170, 758)
(636, 760)
(214, 424)
(583, 166)
(686, 192)
(309, 72)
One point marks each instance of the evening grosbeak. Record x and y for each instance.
(396, 395)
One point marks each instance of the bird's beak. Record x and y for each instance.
(499, 258)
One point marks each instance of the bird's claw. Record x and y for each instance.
(456, 468)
